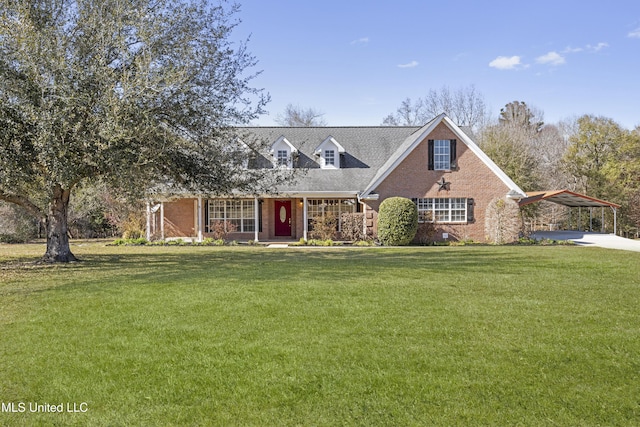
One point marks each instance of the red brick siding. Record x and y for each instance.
(472, 179)
(179, 218)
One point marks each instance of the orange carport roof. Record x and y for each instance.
(566, 198)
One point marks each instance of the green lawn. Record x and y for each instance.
(334, 336)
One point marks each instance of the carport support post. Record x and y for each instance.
(590, 219)
(615, 220)
(579, 219)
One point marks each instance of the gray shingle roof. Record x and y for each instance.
(367, 150)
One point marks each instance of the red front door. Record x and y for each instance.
(283, 217)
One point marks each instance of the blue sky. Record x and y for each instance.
(357, 60)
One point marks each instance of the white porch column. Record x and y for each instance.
(148, 229)
(200, 219)
(363, 209)
(305, 222)
(256, 219)
(161, 220)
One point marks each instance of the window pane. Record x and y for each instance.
(458, 210)
(283, 158)
(441, 154)
(329, 158)
(442, 210)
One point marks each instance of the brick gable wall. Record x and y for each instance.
(472, 179)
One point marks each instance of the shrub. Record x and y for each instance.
(352, 226)
(141, 241)
(503, 223)
(220, 229)
(324, 227)
(397, 221)
(426, 230)
(319, 242)
(133, 234)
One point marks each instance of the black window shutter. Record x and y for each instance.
(206, 216)
(430, 148)
(470, 204)
(452, 154)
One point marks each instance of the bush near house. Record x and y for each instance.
(352, 227)
(397, 221)
(324, 227)
(426, 234)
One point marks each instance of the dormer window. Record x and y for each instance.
(283, 153)
(282, 158)
(329, 158)
(328, 153)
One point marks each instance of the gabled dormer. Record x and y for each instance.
(329, 152)
(283, 153)
(245, 153)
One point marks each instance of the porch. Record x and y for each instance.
(258, 219)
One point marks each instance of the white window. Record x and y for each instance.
(240, 213)
(283, 153)
(282, 158)
(329, 158)
(328, 153)
(336, 207)
(442, 209)
(442, 154)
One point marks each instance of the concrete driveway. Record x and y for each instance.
(584, 238)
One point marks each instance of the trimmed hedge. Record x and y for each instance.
(397, 221)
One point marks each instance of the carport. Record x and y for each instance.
(573, 200)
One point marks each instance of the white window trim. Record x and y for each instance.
(283, 144)
(450, 209)
(329, 144)
(342, 208)
(250, 210)
(442, 161)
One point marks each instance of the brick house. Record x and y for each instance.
(352, 169)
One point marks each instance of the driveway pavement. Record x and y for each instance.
(609, 241)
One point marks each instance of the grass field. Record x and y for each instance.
(336, 336)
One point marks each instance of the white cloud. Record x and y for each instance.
(597, 47)
(570, 49)
(505, 62)
(635, 34)
(361, 40)
(408, 65)
(551, 58)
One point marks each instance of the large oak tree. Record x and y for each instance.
(132, 92)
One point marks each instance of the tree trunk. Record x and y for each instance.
(56, 223)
